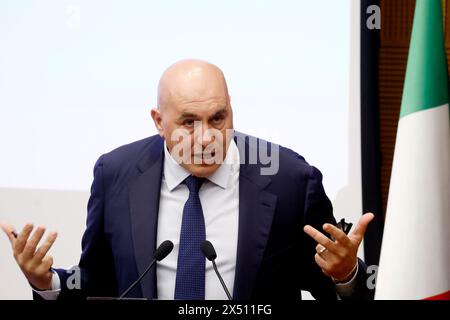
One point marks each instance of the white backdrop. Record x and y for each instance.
(78, 78)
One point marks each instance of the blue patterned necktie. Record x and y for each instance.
(190, 280)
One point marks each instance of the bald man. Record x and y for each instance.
(273, 230)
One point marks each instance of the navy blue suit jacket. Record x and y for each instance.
(275, 258)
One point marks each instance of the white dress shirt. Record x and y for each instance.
(219, 196)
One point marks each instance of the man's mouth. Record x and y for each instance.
(205, 156)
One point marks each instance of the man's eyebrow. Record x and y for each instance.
(221, 112)
(187, 115)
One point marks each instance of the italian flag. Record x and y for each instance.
(415, 253)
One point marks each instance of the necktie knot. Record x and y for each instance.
(194, 183)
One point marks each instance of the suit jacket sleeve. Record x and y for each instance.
(318, 210)
(94, 275)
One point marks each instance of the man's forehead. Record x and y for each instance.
(192, 80)
(200, 110)
(198, 91)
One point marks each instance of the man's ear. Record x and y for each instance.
(156, 116)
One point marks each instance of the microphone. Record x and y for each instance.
(161, 252)
(210, 254)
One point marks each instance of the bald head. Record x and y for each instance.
(191, 80)
(193, 99)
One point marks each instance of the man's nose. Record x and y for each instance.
(203, 136)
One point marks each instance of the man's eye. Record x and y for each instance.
(188, 122)
(217, 120)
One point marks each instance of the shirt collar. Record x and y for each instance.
(174, 174)
(221, 176)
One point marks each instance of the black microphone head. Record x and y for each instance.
(163, 250)
(208, 250)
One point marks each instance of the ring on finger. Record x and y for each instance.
(322, 250)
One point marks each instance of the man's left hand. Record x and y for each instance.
(338, 258)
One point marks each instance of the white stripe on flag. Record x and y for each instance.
(415, 255)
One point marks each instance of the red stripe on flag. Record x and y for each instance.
(442, 296)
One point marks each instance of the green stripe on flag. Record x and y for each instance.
(426, 81)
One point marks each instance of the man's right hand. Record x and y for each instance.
(34, 263)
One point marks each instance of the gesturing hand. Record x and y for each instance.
(34, 263)
(338, 258)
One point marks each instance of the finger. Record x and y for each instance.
(361, 228)
(320, 249)
(10, 232)
(322, 263)
(47, 262)
(326, 273)
(337, 233)
(22, 238)
(42, 250)
(320, 237)
(327, 255)
(31, 244)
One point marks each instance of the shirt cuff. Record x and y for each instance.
(52, 294)
(346, 289)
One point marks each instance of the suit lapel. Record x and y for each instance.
(144, 207)
(256, 210)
